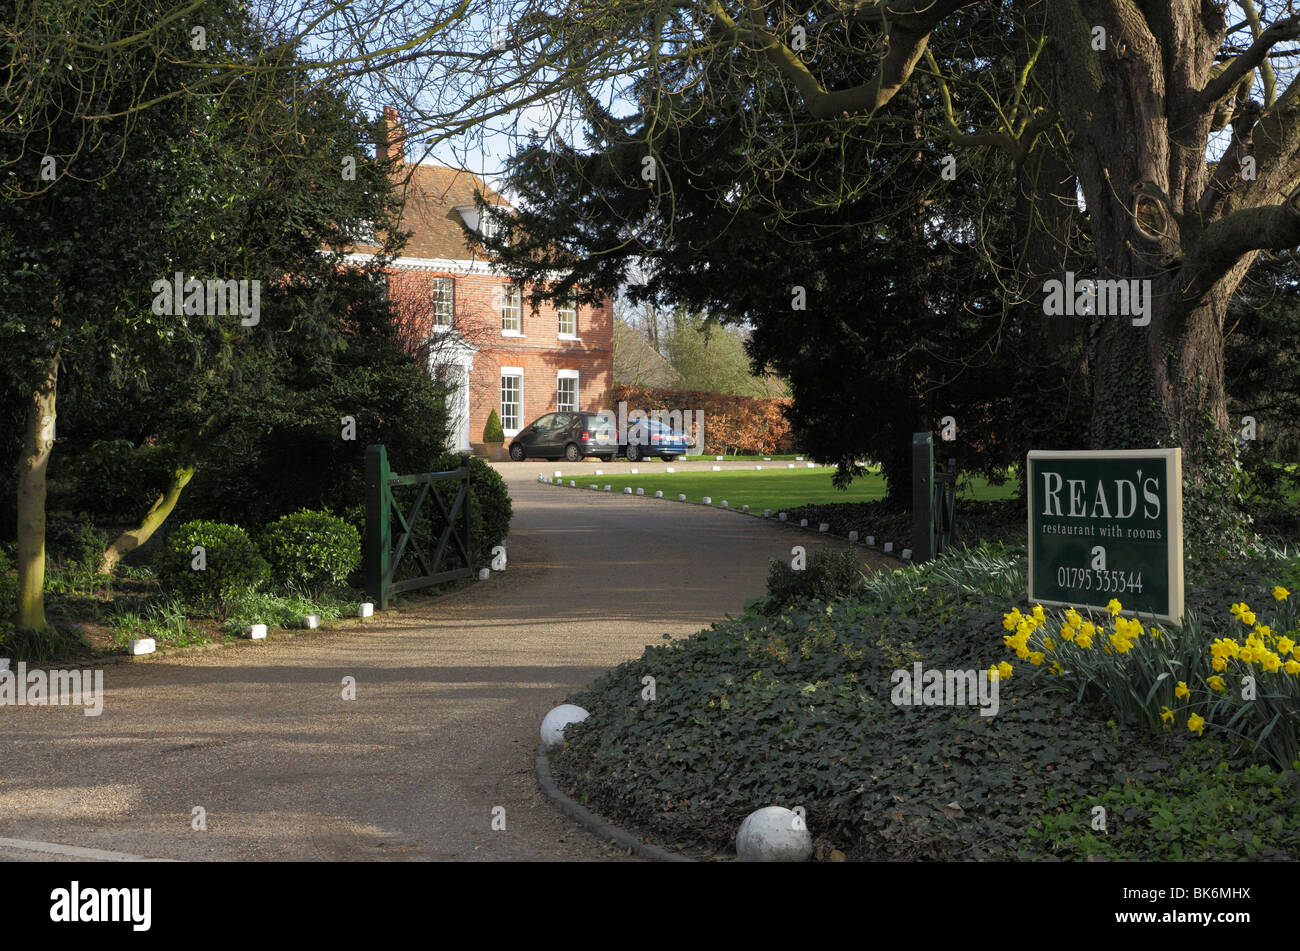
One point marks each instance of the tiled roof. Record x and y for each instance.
(431, 195)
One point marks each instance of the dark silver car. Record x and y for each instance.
(569, 435)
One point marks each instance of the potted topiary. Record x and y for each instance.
(493, 437)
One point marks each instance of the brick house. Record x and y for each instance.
(474, 323)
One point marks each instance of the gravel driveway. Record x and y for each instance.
(445, 724)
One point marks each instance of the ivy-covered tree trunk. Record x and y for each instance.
(38, 441)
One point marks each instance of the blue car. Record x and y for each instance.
(649, 437)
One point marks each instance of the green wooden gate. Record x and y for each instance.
(934, 501)
(394, 565)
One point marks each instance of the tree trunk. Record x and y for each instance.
(129, 541)
(38, 441)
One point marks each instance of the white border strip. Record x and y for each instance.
(74, 851)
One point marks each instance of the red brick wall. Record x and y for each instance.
(540, 352)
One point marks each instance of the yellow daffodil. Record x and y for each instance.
(1009, 621)
(1292, 667)
(1166, 715)
(992, 673)
(1219, 664)
(1248, 618)
(1004, 670)
(1067, 633)
(1073, 617)
(1114, 607)
(1036, 658)
(1084, 639)
(1049, 644)
(1056, 667)
(1196, 723)
(1216, 682)
(1280, 593)
(1039, 615)
(1239, 609)
(1181, 691)
(1285, 645)
(1270, 661)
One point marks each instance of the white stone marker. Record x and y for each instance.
(627, 490)
(553, 724)
(723, 503)
(366, 610)
(823, 527)
(659, 493)
(803, 523)
(256, 631)
(798, 458)
(558, 473)
(609, 488)
(790, 465)
(640, 491)
(871, 540)
(717, 468)
(781, 516)
(719, 458)
(599, 472)
(572, 483)
(889, 546)
(907, 554)
(669, 469)
(634, 472)
(707, 500)
(758, 468)
(812, 465)
(853, 535)
(144, 645)
(681, 498)
(744, 508)
(767, 513)
(484, 574)
(311, 621)
(773, 834)
(767, 458)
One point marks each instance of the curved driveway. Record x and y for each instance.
(445, 723)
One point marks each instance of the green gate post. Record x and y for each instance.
(378, 537)
(922, 497)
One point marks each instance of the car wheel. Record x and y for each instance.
(633, 453)
(572, 453)
(667, 458)
(517, 452)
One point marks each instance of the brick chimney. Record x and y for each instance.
(391, 138)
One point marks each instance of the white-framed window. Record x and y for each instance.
(512, 399)
(444, 299)
(566, 391)
(567, 313)
(488, 224)
(511, 310)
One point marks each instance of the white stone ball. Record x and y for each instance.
(773, 834)
(553, 723)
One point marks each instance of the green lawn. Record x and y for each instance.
(776, 489)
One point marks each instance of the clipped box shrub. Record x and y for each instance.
(493, 432)
(232, 564)
(829, 574)
(311, 550)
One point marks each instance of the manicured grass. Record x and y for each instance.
(773, 488)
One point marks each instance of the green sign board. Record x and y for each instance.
(1107, 524)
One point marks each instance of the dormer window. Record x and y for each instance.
(484, 225)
